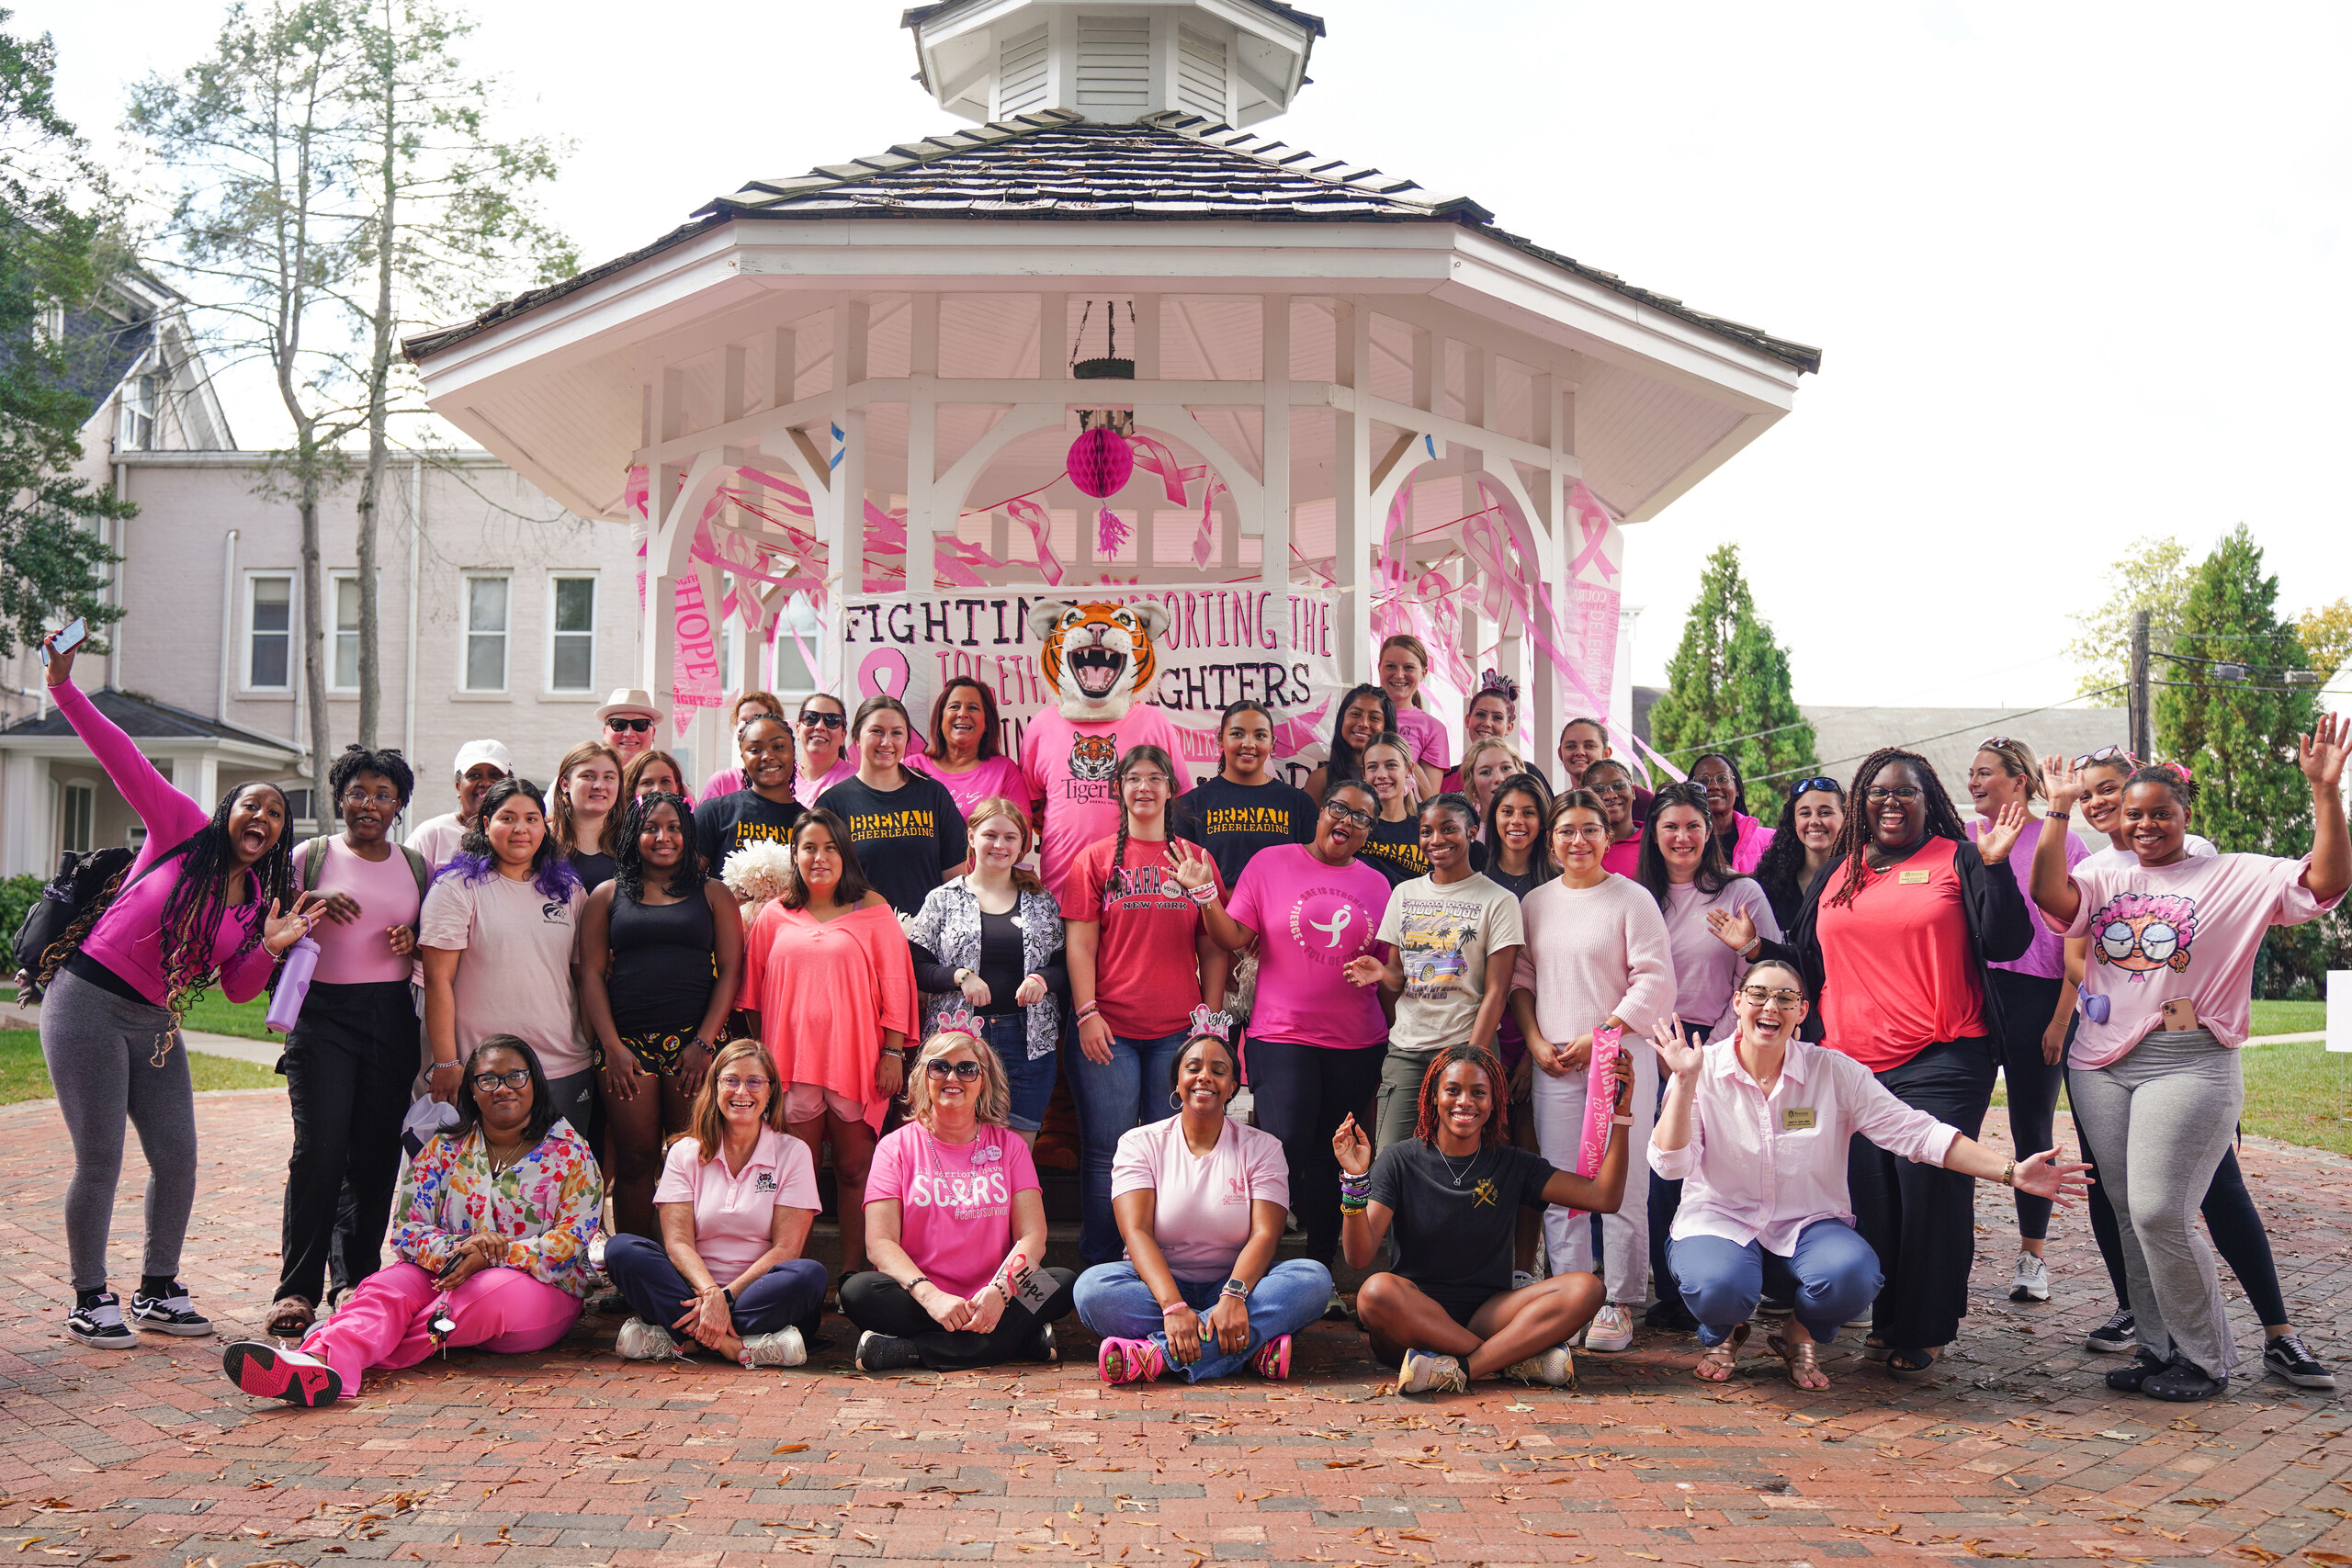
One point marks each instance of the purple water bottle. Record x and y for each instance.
(293, 985)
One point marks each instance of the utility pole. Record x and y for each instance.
(2141, 738)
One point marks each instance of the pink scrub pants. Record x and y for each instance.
(384, 1323)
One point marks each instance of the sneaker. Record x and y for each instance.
(1669, 1316)
(2145, 1364)
(596, 1249)
(2032, 1281)
(608, 1304)
(1424, 1372)
(2183, 1382)
(1271, 1359)
(99, 1323)
(1040, 1347)
(1520, 1278)
(1556, 1368)
(641, 1341)
(781, 1349)
(1129, 1361)
(886, 1353)
(172, 1313)
(267, 1371)
(1612, 1329)
(2287, 1358)
(1335, 1309)
(2116, 1336)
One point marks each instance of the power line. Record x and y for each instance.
(1946, 735)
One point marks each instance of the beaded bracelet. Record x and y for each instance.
(1352, 1206)
(1204, 894)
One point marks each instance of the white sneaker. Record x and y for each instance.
(2032, 1282)
(1424, 1372)
(1612, 1329)
(641, 1341)
(782, 1349)
(1555, 1368)
(1520, 1278)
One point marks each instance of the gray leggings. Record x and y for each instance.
(2161, 1119)
(101, 1048)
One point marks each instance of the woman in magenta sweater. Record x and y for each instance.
(205, 898)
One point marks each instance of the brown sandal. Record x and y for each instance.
(289, 1318)
(1799, 1362)
(1715, 1363)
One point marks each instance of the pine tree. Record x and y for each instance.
(1728, 690)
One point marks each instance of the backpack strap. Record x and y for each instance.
(418, 869)
(313, 853)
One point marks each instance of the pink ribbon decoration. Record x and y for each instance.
(1040, 524)
(1205, 537)
(1153, 457)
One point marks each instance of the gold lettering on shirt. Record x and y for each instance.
(1248, 819)
(891, 825)
(1796, 1119)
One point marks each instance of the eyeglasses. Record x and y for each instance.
(635, 725)
(825, 720)
(1804, 785)
(1757, 996)
(1149, 781)
(2104, 754)
(514, 1077)
(1348, 814)
(363, 797)
(746, 1085)
(963, 1072)
(1878, 795)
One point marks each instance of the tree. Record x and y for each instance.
(2152, 578)
(57, 246)
(1728, 690)
(2327, 636)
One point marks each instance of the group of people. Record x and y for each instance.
(545, 1005)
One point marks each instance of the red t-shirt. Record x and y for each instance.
(1898, 972)
(1147, 969)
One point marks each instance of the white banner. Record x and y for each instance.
(1222, 644)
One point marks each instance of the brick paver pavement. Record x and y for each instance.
(574, 1458)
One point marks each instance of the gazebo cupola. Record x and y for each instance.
(1223, 60)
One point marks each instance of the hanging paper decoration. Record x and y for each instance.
(1101, 462)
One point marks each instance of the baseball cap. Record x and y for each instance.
(494, 752)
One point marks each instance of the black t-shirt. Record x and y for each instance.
(724, 823)
(1233, 821)
(907, 839)
(594, 870)
(1520, 886)
(1455, 1219)
(1394, 849)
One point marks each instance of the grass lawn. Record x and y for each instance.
(215, 1014)
(2288, 1018)
(2292, 1094)
(24, 1076)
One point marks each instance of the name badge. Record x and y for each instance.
(1910, 879)
(1796, 1119)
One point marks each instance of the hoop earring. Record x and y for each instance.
(1175, 1100)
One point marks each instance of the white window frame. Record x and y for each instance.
(504, 634)
(293, 633)
(812, 630)
(336, 634)
(554, 631)
(75, 791)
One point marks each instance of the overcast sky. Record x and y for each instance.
(2079, 271)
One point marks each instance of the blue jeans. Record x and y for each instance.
(1835, 1274)
(790, 1294)
(1129, 1090)
(1032, 1082)
(1113, 1301)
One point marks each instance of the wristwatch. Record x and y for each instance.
(1235, 1286)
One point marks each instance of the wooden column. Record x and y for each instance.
(927, 514)
(1274, 368)
(1354, 531)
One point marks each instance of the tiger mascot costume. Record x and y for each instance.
(1097, 657)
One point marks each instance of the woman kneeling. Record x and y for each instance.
(1756, 1128)
(1447, 1313)
(956, 1225)
(1200, 1201)
(736, 1197)
(496, 1215)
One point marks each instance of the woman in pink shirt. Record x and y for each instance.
(204, 897)
(1742, 839)
(958, 1226)
(1612, 783)
(821, 735)
(1755, 1130)
(736, 1197)
(2167, 1001)
(1404, 662)
(966, 752)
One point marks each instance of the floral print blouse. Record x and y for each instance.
(546, 1205)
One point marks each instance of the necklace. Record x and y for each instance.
(500, 1164)
(1464, 1174)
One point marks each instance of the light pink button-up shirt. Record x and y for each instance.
(1762, 1167)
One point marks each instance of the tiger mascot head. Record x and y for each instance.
(1097, 657)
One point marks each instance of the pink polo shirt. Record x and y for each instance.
(1200, 1204)
(735, 1212)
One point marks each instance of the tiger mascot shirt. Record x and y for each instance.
(1068, 767)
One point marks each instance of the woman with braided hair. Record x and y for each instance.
(205, 898)
(1895, 940)
(1444, 1201)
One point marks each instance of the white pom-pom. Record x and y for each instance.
(759, 871)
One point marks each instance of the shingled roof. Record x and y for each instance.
(1057, 166)
(142, 718)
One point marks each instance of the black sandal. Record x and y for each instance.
(1906, 1364)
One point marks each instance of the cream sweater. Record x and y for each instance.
(1592, 952)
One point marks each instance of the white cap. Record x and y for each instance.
(494, 752)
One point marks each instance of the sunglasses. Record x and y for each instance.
(963, 1072)
(1996, 742)
(636, 725)
(2105, 754)
(1804, 785)
(825, 720)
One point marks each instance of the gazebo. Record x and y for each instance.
(1334, 402)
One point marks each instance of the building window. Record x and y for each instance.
(486, 634)
(298, 801)
(793, 677)
(572, 635)
(81, 815)
(269, 633)
(139, 400)
(346, 673)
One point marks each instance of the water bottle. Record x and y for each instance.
(293, 984)
(2094, 1008)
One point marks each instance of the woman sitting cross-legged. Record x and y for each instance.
(956, 1224)
(736, 1197)
(1444, 1198)
(1756, 1128)
(495, 1218)
(1200, 1201)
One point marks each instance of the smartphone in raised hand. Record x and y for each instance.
(74, 633)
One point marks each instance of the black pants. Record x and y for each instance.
(1921, 1219)
(2026, 1002)
(348, 1064)
(877, 1302)
(1302, 1093)
(2231, 1219)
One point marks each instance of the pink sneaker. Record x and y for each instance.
(1272, 1358)
(269, 1371)
(1129, 1361)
